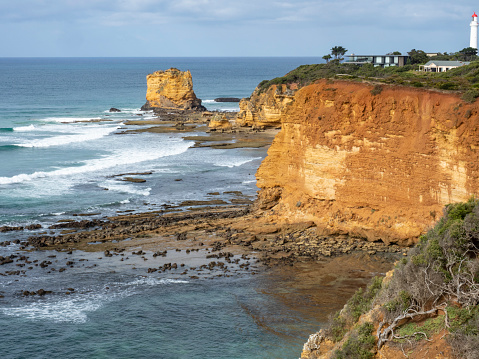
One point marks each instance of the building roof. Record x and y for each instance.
(354, 55)
(447, 63)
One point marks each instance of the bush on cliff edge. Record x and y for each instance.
(436, 288)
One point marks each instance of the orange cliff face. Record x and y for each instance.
(371, 166)
(172, 89)
(265, 109)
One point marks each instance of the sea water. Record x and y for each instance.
(61, 152)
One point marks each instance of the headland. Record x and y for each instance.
(357, 171)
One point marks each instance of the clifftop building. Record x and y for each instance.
(441, 66)
(378, 60)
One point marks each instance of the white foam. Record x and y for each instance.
(25, 128)
(208, 101)
(91, 133)
(57, 213)
(127, 188)
(76, 307)
(64, 310)
(150, 281)
(234, 162)
(128, 156)
(69, 119)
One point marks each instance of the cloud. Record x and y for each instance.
(324, 12)
(230, 27)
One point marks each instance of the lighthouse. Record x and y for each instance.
(474, 26)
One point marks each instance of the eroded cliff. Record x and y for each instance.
(373, 162)
(265, 109)
(171, 89)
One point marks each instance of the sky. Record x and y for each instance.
(164, 28)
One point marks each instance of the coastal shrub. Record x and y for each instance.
(463, 320)
(356, 306)
(446, 86)
(440, 275)
(359, 345)
(360, 302)
(337, 327)
(465, 338)
(462, 78)
(470, 95)
(442, 269)
(376, 90)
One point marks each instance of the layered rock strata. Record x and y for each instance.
(171, 89)
(375, 164)
(265, 109)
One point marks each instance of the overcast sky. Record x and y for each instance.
(230, 28)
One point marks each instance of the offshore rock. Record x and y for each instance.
(171, 89)
(379, 167)
(227, 99)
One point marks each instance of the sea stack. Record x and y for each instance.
(171, 89)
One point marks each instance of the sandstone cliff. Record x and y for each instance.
(375, 164)
(171, 89)
(265, 109)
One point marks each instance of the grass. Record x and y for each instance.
(430, 327)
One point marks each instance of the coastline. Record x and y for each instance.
(197, 241)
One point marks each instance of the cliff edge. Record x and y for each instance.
(427, 307)
(370, 161)
(171, 89)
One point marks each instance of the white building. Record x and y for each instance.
(474, 25)
(441, 66)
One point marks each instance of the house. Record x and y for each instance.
(378, 60)
(441, 66)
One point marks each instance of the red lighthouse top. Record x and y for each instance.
(474, 15)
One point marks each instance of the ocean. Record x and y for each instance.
(60, 153)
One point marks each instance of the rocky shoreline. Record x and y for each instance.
(222, 231)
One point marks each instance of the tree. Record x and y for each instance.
(394, 53)
(468, 53)
(338, 51)
(418, 57)
(327, 57)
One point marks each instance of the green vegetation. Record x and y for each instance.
(359, 304)
(338, 52)
(417, 57)
(462, 79)
(435, 289)
(359, 345)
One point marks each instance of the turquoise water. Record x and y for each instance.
(56, 161)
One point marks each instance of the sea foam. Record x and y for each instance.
(128, 156)
(87, 134)
(75, 307)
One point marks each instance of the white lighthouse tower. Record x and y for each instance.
(474, 26)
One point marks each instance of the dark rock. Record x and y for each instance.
(227, 99)
(113, 109)
(181, 236)
(32, 227)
